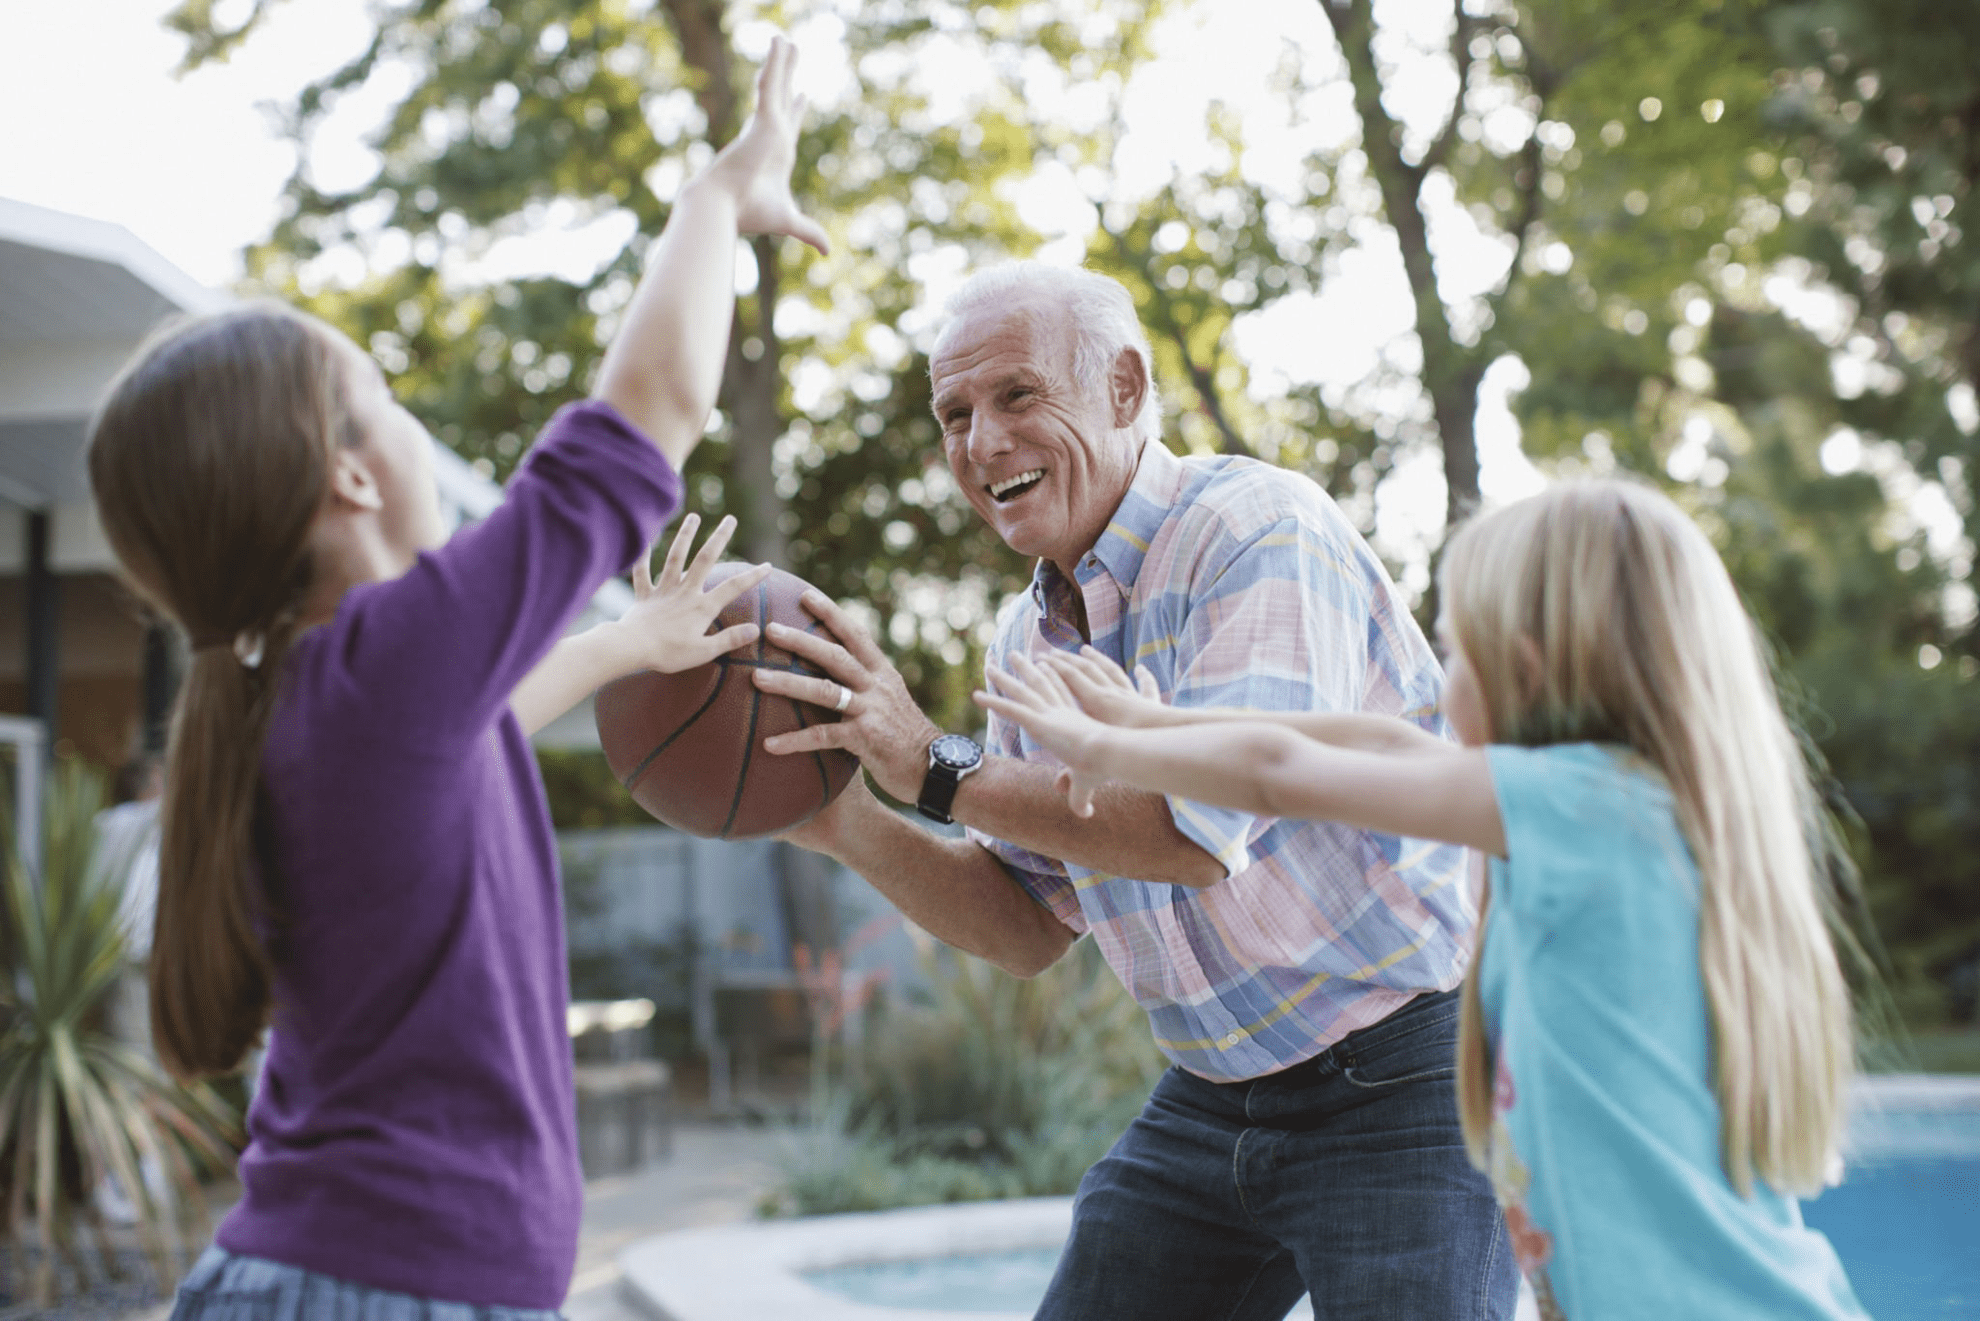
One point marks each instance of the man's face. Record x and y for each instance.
(1044, 462)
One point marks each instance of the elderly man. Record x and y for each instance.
(1298, 974)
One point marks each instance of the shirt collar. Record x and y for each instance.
(1158, 477)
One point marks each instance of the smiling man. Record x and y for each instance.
(1299, 975)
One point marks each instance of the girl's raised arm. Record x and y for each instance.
(664, 368)
(1432, 790)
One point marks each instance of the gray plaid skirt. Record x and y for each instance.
(224, 1287)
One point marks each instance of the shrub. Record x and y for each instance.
(980, 1086)
(76, 1105)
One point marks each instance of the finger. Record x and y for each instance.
(1101, 666)
(800, 687)
(1014, 712)
(1009, 685)
(766, 76)
(711, 551)
(716, 599)
(1079, 794)
(1145, 683)
(643, 574)
(814, 738)
(1046, 679)
(670, 572)
(857, 641)
(806, 230)
(733, 638)
(826, 654)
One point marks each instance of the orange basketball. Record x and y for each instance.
(688, 747)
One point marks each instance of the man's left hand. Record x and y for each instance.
(879, 724)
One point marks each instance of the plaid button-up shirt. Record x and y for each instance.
(1242, 585)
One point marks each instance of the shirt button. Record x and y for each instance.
(1234, 1038)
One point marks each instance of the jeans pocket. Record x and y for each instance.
(1425, 1054)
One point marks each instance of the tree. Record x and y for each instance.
(520, 113)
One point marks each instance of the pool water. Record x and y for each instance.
(1905, 1221)
(989, 1282)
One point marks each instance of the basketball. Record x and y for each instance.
(688, 747)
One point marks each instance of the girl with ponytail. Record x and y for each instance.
(356, 850)
(1655, 1036)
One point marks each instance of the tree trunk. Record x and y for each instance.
(751, 378)
(1450, 374)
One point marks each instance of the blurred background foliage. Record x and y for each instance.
(1731, 256)
(975, 1086)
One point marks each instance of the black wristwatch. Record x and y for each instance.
(950, 757)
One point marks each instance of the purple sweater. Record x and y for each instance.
(415, 1128)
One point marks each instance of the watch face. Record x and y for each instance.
(956, 752)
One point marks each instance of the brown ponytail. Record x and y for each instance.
(209, 461)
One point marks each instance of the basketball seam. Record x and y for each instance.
(647, 761)
(755, 703)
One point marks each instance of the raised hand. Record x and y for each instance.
(756, 165)
(1040, 700)
(667, 627)
(1104, 691)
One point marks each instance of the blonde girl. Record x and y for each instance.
(356, 846)
(1656, 1036)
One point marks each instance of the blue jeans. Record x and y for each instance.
(1344, 1177)
(224, 1287)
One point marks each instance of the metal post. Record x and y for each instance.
(27, 736)
(44, 606)
(160, 684)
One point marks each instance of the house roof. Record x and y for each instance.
(76, 297)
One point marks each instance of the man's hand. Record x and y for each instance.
(1038, 699)
(880, 724)
(666, 628)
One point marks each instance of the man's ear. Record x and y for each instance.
(1127, 386)
(351, 484)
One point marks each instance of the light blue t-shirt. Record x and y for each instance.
(1605, 1136)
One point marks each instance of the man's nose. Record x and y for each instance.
(988, 438)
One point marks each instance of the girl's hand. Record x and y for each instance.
(756, 166)
(667, 627)
(1104, 691)
(1039, 700)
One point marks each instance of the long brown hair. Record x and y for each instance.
(1597, 611)
(209, 460)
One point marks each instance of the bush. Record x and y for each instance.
(78, 1107)
(981, 1086)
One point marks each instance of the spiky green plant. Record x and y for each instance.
(77, 1105)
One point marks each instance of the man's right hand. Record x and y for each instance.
(879, 722)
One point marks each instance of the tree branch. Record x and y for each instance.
(1162, 309)
(705, 47)
(1440, 147)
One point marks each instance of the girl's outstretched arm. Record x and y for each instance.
(1105, 692)
(1439, 791)
(666, 629)
(665, 366)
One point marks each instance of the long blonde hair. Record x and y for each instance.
(1597, 611)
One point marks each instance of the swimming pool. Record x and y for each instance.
(1905, 1221)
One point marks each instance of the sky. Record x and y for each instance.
(99, 125)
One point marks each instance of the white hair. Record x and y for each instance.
(1102, 315)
